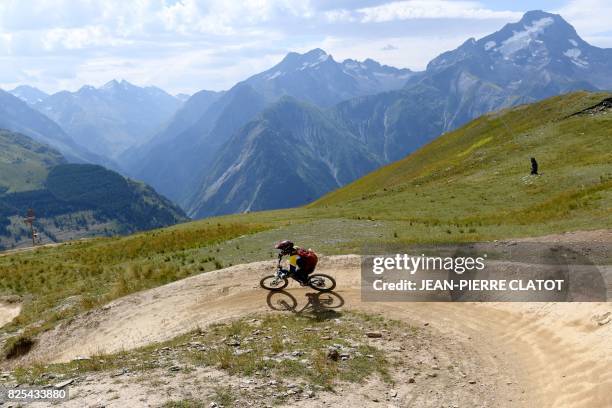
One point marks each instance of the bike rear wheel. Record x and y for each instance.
(321, 282)
(273, 282)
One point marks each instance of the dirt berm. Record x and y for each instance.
(559, 354)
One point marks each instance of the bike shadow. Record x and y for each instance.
(319, 305)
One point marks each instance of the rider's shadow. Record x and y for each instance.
(318, 304)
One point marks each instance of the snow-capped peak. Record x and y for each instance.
(521, 39)
(299, 62)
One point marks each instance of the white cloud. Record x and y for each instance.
(187, 45)
(339, 15)
(408, 52)
(421, 9)
(79, 38)
(588, 16)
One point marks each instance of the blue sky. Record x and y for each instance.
(188, 45)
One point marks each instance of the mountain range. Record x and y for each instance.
(112, 118)
(311, 124)
(535, 58)
(180, 157)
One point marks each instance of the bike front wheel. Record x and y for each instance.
(273, 282)
(321, 282)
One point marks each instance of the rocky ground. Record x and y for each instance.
(316, 358)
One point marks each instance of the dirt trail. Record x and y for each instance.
(8, 311)
(560, 354)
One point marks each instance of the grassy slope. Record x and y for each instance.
(478, 173)
(58, 282)
(471, 184)
(24, 163)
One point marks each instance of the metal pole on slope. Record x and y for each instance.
(30, 221)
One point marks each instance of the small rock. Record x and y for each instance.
(472, 382)
(175, 368)
(374, 335)
(120, 372)
(411, 380)
(233, 343)
(333, 354)
(64, 383)
(393, 393)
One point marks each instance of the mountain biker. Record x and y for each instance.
(302, 262)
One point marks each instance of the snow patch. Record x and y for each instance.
(489, 45)
(574, 55)
(521, 39)
(573, 42)
(315, 64)
(274, 75)
(351, 65)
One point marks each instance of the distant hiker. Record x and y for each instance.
(534, 167)
(302, 262)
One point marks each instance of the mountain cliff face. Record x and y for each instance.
(292, 153)
(112, 118)
(70, 200)
(538, 57)
(180, 157)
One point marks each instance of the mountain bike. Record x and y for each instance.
(318, 281)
